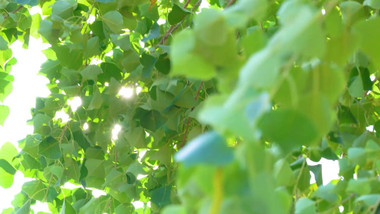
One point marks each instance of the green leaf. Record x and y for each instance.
(372, 3)
(151, 120)
(317, 108)
(122, 41)
(4, 112)
(327, 193)
(67, 208)
(287, 127)
(115, 178)
(5, 88)
(177, 14)
(211, 28)
(96, 102)
(365, 77)
(6, 179)
(95, 205)
(174, 209)
(209, 148)
(113, 20)
(62, 10)
(35, 190)
(3, 43)
(123, 208)
(253, 41)
(50, 148)
(27, 2)
(148, 61)
(93, 47)
(161, 196)
(186, 63)
(69, 57)
(135, 137)
(369, 200)
(163, 64)
(369, 32)
(372, 149)
(361, 186)
(283, 173)
(81, 139)
(305, 33)
(261, 69)
(305, 206)
(91, 72)
(55, 170)
(36, 19)
(334, 23)
(357, 155)
(317, 171)
(341, 48)
(8, 151)
(110, 70)
(7, 167)
(250, 8)
(104, 1)
(3, 4)
(46, 30)
(164, 155)
(94, 153)
(149, 11)
(96, 173)
(351, 12)
(239, 113)
(25, 208)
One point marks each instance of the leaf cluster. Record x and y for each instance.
(198, 111)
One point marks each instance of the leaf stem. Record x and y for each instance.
(188, 118)
(218, 191)
(298, 179)
(173, 28)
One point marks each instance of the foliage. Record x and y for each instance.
(250, 89)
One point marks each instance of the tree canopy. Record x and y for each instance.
(224, 106)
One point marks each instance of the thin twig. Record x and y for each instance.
(298, 179)
(185, 135)
(199, 89)
(188, 118)
(63, 133)
(186, 4)
(15, 11)
(229, 3)
(173, 28)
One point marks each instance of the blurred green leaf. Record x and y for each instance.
(287, 127)
(209, 148)
(305, 206)
(4, 112)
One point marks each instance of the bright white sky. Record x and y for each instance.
(27, 86)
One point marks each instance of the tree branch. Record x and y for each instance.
(186, 4)
(173, 28)
(229, 3)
